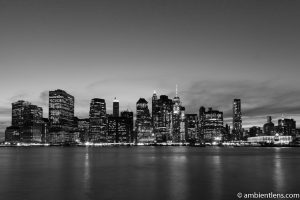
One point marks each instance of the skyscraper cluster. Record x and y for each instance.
(166, 123)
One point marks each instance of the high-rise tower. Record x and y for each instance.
(237, 120)
(61, 110)
(116, 107)
(98, 121)
(143, 121)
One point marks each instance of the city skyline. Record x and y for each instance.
(214, 51)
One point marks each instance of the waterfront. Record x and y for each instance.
(146, 172)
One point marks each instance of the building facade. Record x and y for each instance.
(116, 107)
(143, 122)
(212, 125)
(237, 120)
(98, 121)
(61, 111)
(192, 123)
(27, 123)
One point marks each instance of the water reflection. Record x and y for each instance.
(178, 176)
(86, 176)
(278, 176)
(216, 175)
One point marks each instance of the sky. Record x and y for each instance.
(214, 50)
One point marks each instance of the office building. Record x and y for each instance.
(192, 135)
(61, 111)
(98, 121)
(237, 120)
(143, 122)
(212, 125)
(163, 119)
(116, 107)
(269, 127)
(128, 115)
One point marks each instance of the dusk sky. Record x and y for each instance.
(214, 50)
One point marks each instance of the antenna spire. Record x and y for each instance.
(176, 90)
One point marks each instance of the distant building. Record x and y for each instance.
(269, 128)
(61, 111)
(192, 128)
(178, 120)
(271, 140)
(13, 134)
(83, 129)
(118, 130)
(27, 123)
(255, 131)
(162, 118)
(155, 111)
(226, 133)
(143, 122)
(212, 125)
(18, 112)
(129, 121)
(286, 127)
(98, 121)
(116, 107)
(237, 120)
(201, 122)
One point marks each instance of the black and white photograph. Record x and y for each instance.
(149, 99)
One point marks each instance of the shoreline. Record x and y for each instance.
(146, 144)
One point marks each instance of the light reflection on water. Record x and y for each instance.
(278, 171)
(146, 172)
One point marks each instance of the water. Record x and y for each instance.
(167, 173)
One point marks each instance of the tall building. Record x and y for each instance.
(33, 124)
(18, 112)
(255, 131)
(116, 107)
(286, 127)
(27, 123)
(177, 120)
(143, 122)
(212, 125)
(201, 122)
(118, 130)
(192, 128)
(61, 111)
(155, 111)
(163, 119)
(98, 121)
(129, 120)
(237, 120)
(83, 126)
(269, 128)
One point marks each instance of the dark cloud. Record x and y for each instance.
(258, 98)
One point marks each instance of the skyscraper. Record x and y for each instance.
(269, 128)
(98, 121)
(27, 123)
(129, 120)
(155, 111)
(18, 112)
(61, 111)
(163, 118)
(118, 130)
(237, 120)
(192, 128)
(143, 122)
(116, 107)
(212, 125)
(177, 118)
(286, 127)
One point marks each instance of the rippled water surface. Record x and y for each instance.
(166, 173)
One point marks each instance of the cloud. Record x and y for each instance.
(259, 99)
